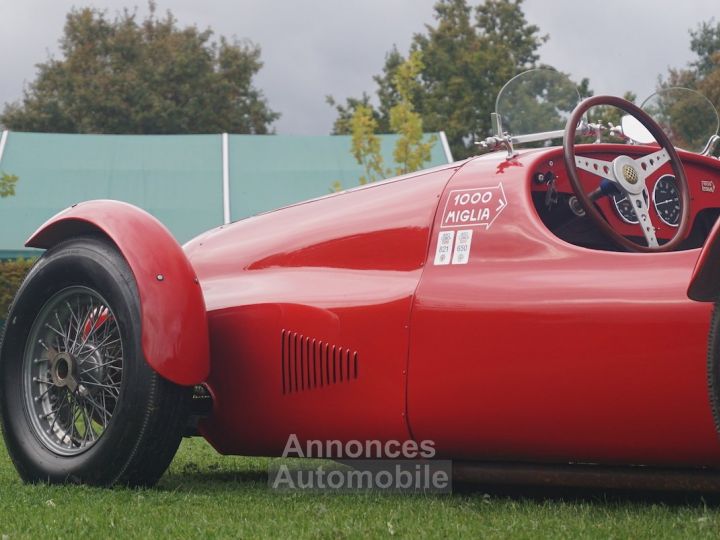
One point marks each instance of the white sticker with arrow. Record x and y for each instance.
(473, 207)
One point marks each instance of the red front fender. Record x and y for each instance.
(174, 320)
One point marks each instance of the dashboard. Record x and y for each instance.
(552, 192)
(665, 201)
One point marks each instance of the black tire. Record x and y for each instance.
(713, 365)
(136, 416)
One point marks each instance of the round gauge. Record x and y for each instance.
(666, 199)
(624, 208)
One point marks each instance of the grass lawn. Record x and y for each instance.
(205, 494)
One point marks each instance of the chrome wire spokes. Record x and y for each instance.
(73, 369)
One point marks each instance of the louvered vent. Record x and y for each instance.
(309, 363)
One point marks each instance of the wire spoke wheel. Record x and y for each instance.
(79, 403)
(72, 370)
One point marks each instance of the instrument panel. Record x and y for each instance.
(624, 209)
(665, 200)
(661, 194)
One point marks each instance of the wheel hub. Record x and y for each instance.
(63, 371)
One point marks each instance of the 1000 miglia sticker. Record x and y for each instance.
(465, 208)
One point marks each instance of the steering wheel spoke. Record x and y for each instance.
(652, 162)
(595, 166)
(640, 207)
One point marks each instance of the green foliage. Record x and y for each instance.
(705, 42)
(540, 100)
(467, 56)
(150, 76)
(410, 151)
(366, 144)
(704, 72)
(709, 85)
(12, 274)
(691, 124)
(686, 117)
(343, 122)
(386, 89)
(7, 184)
(468, 61)
(386, 93)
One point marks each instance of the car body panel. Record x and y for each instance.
(339, 272)
(174, 321)
(538, 350)
(705, 282)
(535, 350)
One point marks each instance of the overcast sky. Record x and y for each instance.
(312, 48)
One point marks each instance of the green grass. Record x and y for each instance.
(208, 495)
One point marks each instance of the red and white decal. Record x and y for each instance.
(461, 251)
(453, 248)
(708, 186)
(443, 252)
(473, 207)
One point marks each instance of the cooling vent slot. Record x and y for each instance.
(309, 363)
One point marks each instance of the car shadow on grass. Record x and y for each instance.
(215, 479)
(199, 469)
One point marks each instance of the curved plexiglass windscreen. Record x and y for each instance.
(536, 101)
(686, 116)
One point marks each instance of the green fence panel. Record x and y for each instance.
(267, 172)
(176, 178)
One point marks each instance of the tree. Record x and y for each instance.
(704, 72)
(365, 146)
(705, 42)
(467, 56)
(709, 86)
(686, 116)
(149, 76)
(386, 93)
(343, 122)
(12, 274)
(410, 151)
(7, 184)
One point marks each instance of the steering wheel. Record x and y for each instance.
(628, 175)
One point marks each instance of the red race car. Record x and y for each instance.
(543, 314)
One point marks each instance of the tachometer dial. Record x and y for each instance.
(624, 208)
(666, 199)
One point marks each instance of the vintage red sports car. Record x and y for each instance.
(543, 314)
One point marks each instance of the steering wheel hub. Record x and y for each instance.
(630, 174)
(626, 175)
